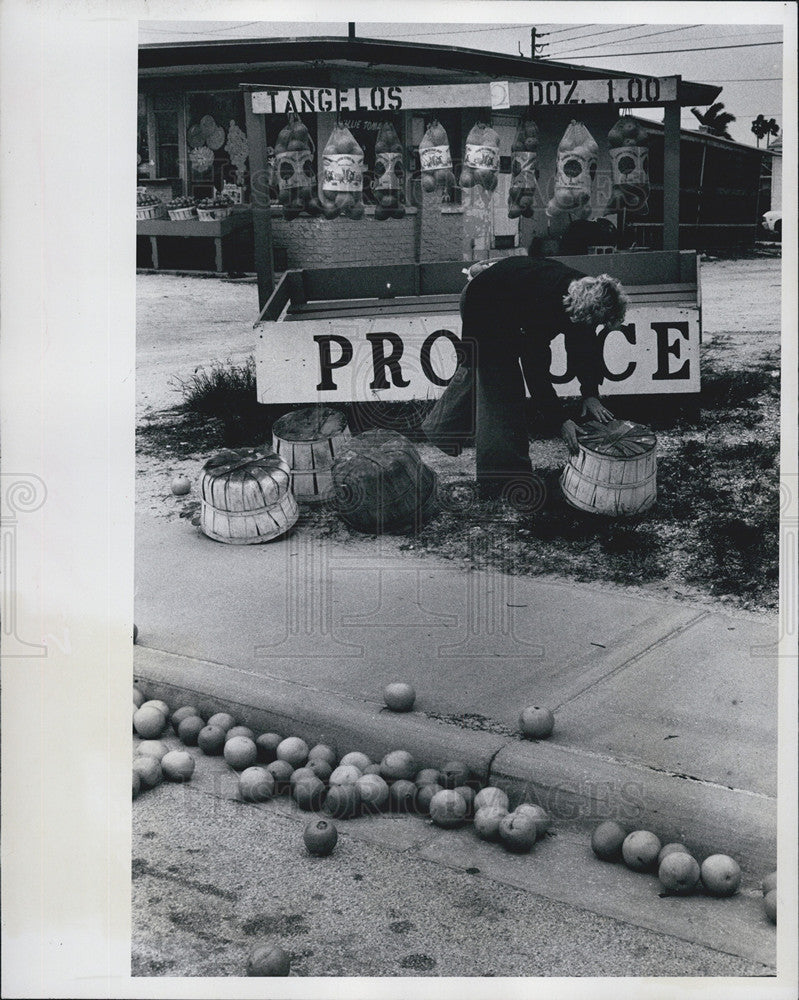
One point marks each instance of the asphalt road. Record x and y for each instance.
(399, 897)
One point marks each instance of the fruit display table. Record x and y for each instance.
(226, 234)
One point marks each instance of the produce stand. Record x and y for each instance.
(339, 334)
(226, 234)
(333, 335)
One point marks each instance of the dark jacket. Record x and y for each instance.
(524, 294)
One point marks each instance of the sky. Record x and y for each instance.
(740, 57)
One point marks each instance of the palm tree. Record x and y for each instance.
(714, 121)
(760, 128)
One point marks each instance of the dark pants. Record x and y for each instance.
(486, 399)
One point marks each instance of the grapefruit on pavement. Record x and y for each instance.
(149, 722)
(607, 840)
(425, 795)
(178, 765)
(309, 793)
(670, 848)
(454, 773)
(320, 837)
(640, 850)
(294, 750)
(256, 784)
(399, 697)
(240, 752)
(343, 801)
(148, 770)
(189, 729)
(770, 905)
(721, 875)
(322, 751)
(240, 731)
(222, 720)
(447, 808)
(538, 814)
(491, 796)
(268, 960)
(397, 765)
(152, 748)
(487, 820)
(267, 744)
(281, 771)
(517, 832)
(184, 712)
(679, 873)
(401, 795)
(536, 723)
(211, 740)
(769, 883)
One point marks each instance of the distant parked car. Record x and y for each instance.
(772, 221)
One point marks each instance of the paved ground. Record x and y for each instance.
(400, 897)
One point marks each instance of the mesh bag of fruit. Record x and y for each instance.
(575, 173)
(294, 170)
(481, 158)
(524, 170)
(389, 179)
(435, 160)
(341, 191)
(629, 165)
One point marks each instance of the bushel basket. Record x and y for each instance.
(614, 472)
(309, 440)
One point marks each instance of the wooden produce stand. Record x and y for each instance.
(357, 334)
(225, 233)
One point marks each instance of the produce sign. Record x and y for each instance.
(414, 357)
(632, 90)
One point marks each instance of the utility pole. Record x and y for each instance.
(535, 47)
(351, 31)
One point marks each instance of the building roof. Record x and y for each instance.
(336, 61)
(700, 136)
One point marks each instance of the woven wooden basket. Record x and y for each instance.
(182, 214)
(214, 214)
(382, 485)
(246, 497)
(309, 440)
(614, 473)
(145, 212)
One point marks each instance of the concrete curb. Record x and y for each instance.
(575, 786)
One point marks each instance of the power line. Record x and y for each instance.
(666, 52)
(593, 34)
(635, 38)
(464, 31)
(190, 31)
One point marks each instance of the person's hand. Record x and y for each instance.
(569, 434)
(593, 408)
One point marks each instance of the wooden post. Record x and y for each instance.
(260, 200)
(671, 176)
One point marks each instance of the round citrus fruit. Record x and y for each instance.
(152, 748)
(538, 814)
(149, 722)
(491, 796)
(770, 905)
(769, 883)
(678, 873)
(268, 960)
(177, 765)
(447, 808)
(467, 794)
(240, 731)
(425, 795)
(398, 765)
(454, 773)
(536, 723)
(189, 729)
(135, 633)
(309, 793)
(399, 697)
(671, 848)
(300, 773)
(428, 776)
(136, 784)
(343, 801)
(401, 795)
(320, 837)
(256, 784)
(640, 850)
(374, 792)
(211, 740)
(320, 767)
(517, 832)
(344, 774)
(162, 706)
(281, 771)
(372, 769)
(292, 749)
(138, 697)
(487, 820)
(321, 751)
(148, 770)
(222, 720)
(607, 840)
(240, 752)
(721, 875)
(355, 759)
(184, 712)
(267, 744)
(181, 485)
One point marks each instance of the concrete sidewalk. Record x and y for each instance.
(666, 712)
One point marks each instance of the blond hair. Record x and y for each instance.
(596, 300)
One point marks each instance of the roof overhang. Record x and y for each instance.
(320, 61)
